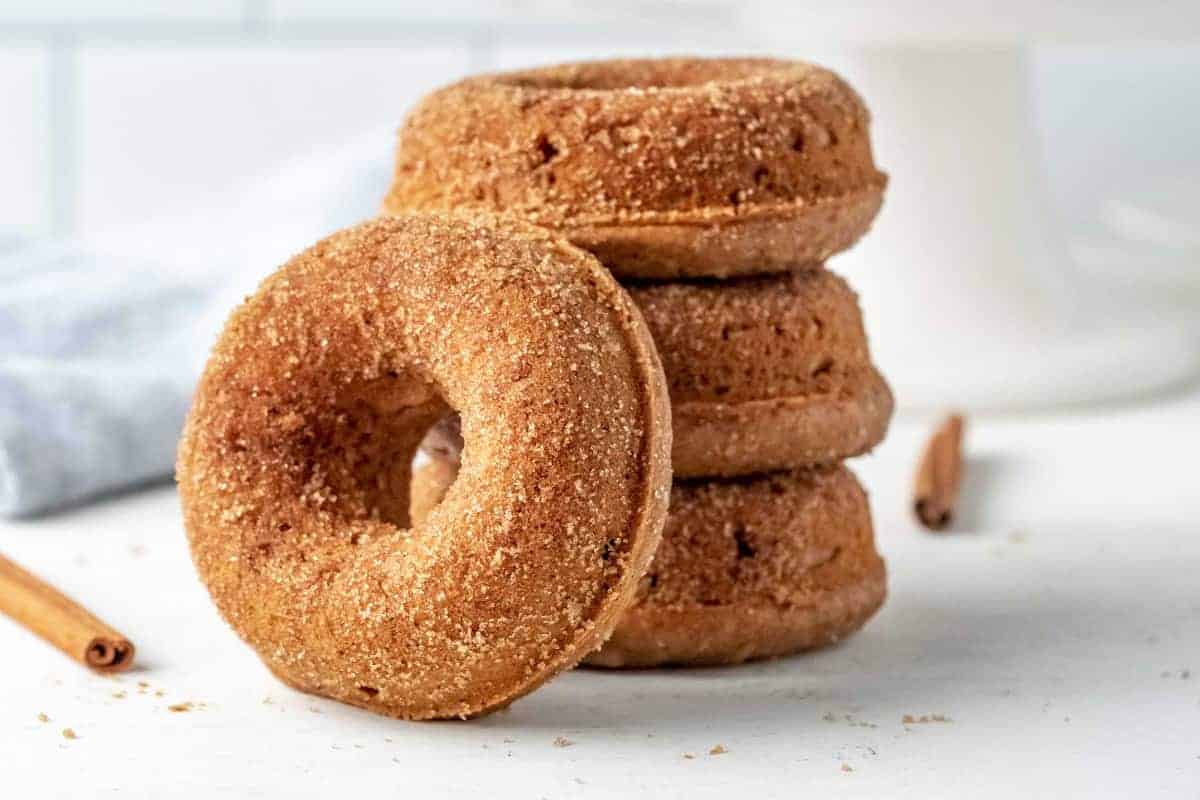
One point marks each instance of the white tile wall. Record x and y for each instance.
(406, 10)
(86, 11)
(24, 124)
(169, 129)
(115, 109)
(520, 13)
(123, 109)
(1118, 124)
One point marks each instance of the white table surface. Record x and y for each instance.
(1058, 631)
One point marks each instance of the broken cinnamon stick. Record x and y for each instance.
(61, 621)
(939, 475)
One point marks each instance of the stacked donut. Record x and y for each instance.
(714, 190)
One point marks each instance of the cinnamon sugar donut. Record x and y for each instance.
(764, 373)
(294, 464)
(748, 568)
(429, 485)
(664, 168)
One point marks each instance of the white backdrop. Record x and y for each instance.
(118, 112)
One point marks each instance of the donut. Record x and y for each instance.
(754, 568)
(748, 568)
(765, 373)
(663, 168)
(429, 485)
(294, 464)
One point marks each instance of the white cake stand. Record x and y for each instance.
(970, 295)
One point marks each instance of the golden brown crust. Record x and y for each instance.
(728, 439)
(293, 468)
(764, 373)
(664, 168)
(754, 568)
(755, 338)
(748, 568)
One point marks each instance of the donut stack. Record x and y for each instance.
(715, 190)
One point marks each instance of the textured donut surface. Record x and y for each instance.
(294, 464)
(754, 568)
(661, 167)
(765, 373)
(748, 568)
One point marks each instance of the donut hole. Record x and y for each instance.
(369, 692)
(359, 456)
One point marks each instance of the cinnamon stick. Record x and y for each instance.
(61, 621)
(939, 475)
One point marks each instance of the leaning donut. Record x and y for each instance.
(748, 568)
(663, 168)
(294, 465)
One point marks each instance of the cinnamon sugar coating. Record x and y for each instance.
(294, 465)
(764, 373)
(677, 167)
(754, 568)
(729, 439)
(755, 338)
(748, 568)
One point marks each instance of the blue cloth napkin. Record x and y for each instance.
(101, 341)
(94, 373)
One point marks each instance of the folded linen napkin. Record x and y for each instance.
(101, 340)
